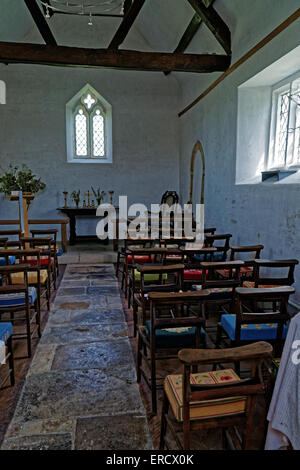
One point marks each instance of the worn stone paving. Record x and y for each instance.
(81, 391)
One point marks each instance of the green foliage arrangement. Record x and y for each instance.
(15, 179)
(75, 196)
(99, 195)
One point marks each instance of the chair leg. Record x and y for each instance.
(28, 332)
(11, 361)
(54, 277)
(139, 358)
(219, 336)
(38, 318)
(129, 294)
(48, 293)
(153, 383)
(163, 426)
(134, 310)
(118, 264)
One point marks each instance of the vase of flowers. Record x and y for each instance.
(99, 195)
(75, 196)
(16, 179)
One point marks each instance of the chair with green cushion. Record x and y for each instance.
(176, 321)
(6, 340)
(168, 278)
(124, 258)
(268, 322)
(141, 256)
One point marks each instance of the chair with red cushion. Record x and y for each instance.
(247, 270)
(193, 271)
(55, 248)
(47, 254)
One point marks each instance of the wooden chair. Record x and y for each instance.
(37, 277)
(269, 278)
(193, 271)
(221, 290)
(48, 258)
(124, 258)
(221, 242)
(240, 326)
(53, 233)
(164, 278)
(247, 270)
(6, 336)
(219, 399)
(137, 256)
(170, 328)
(15, 299)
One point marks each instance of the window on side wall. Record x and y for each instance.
(89, 127)
(284, 148)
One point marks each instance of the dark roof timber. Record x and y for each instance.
(40, 21)
(106, 58)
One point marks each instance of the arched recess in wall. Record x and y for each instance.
(2, 92)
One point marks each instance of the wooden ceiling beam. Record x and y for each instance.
(121, 59)
(189, 33)
(214, 22)
(40, 22)
(126, 24)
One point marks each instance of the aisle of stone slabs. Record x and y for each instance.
(81, 391)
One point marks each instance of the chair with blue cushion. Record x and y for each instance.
(20, 301)
(6, 337)
(221, 242)
(176, 321)
(37, 277)
(265, 323)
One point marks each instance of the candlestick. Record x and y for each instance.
(65, 193)
(111, 193)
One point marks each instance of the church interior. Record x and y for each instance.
(149, 172)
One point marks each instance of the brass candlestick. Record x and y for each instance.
(84, 204)
(88, 194)
(65, 193)
(111, 193)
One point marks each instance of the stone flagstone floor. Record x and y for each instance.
(80, 391)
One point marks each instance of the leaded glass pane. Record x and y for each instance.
(283, 127)
(81, 134)
(98, 134)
